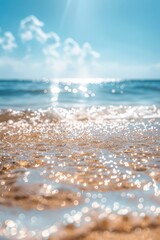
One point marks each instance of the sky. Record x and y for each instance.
(79, 38)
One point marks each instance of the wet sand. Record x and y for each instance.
(146, 234)
(98, 178)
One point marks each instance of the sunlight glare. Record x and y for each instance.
(68, 3)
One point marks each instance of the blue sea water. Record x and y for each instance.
(24, 94)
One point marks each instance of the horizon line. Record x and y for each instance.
(75, 79)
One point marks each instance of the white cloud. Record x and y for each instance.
(7, 42)
(62, 57)
(30, 21)
(126, 70)
(7, 61)
(67, 55)
(50, 51)
(53, 38)
(88, 53)
(16, 68)
(31, 28)
(73, 50)
(11, 67)
(52, 44)
(71, 59)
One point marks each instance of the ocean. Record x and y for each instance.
(79, 157)
(27, 94)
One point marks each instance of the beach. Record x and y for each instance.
(80, 173)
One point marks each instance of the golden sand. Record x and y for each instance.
(86, 155)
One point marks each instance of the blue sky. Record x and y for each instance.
(79, 38)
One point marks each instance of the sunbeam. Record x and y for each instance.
(67, 6)
(65, 12)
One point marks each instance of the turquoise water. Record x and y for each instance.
(19, 94)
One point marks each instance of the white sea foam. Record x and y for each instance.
(82, 114)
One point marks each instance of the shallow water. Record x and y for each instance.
(67, 172)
